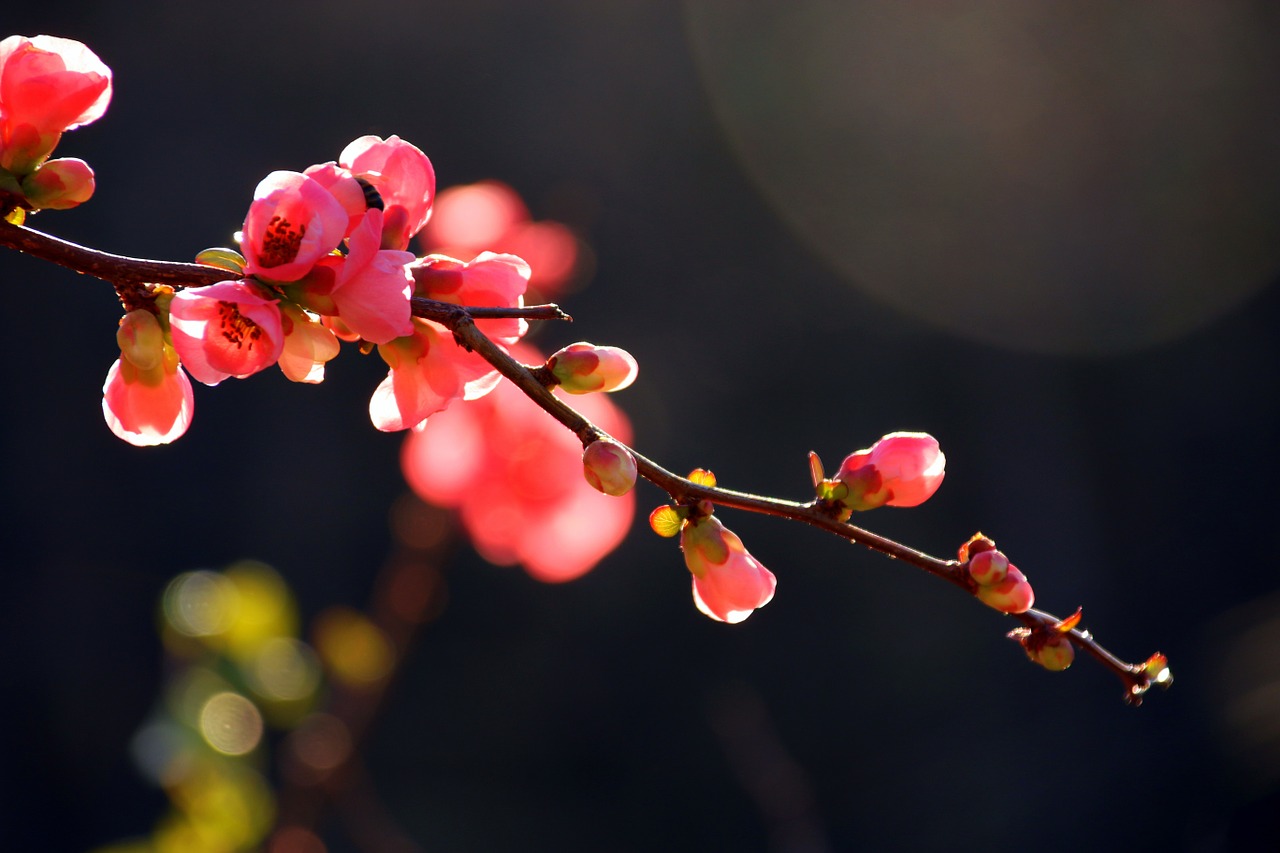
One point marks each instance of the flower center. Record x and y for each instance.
(280, 242)
(239, 330)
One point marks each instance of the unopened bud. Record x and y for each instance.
(141, 339)
(1011, 595)
(988, 567)
(582, 368)
(609, 467)
(1055, 654)
(59, 184)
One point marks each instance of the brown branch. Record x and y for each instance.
(117, 269)
(461, 320)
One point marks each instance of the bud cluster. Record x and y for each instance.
(998, 583)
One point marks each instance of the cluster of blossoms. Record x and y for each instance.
(48, 85)
(322, 256)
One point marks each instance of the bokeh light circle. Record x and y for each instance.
(1071, 178)
(230, 723)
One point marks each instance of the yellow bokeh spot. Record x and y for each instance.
(284, 670)
(230, 723)
(355, 650)
(265, 608)
(200, 604)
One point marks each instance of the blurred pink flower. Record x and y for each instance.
(48, 85)
(728, 583)
(147, 399)
(225, 329)
(515, 476)
(901, 469)
(489, 215)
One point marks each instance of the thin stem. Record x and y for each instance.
(461, 320)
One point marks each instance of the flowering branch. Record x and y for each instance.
(323, 256)
(534, 382)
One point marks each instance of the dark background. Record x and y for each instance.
(1048, 238)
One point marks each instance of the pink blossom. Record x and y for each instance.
(901, 469)
(48, 85)
(728, 583)
(428, 369)
(147, 399)
(403, 177)
(583, 368)
(292, 223)
(308, 344)
(515, 476)
(609, 467)
(488, 280)
(225, 329)
(490, 215)
(59, 184)
(372, 287)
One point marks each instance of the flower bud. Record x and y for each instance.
(141, 339)
(59, 184)
(582, 368)
(728, 583)
(901, 469)
(609, 467)
(1011, 595)
(988, 567)
(1055, 654)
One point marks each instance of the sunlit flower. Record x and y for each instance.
(372, 286)
(147, 399)
(404, 179)
(515, 476)
(428, 369)
(292, 223)
(728, 583)
(225, 329)
(48, 85)
(901, 469)
(308, 344)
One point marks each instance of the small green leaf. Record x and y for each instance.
(666, 521)
(223, 259)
